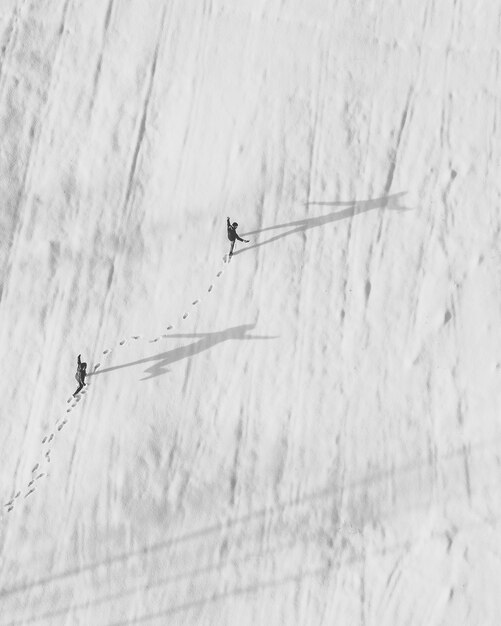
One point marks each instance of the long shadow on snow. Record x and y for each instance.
(321, 570)
(205, 341)
(330, 564)
(353, 208)
(330, 492)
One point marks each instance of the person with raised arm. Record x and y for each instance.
(233, 235)
(80, 375)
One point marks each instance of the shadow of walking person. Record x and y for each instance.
(353, 208)
(204, 341)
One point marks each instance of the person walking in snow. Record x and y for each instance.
(80, 375)
(233, 235)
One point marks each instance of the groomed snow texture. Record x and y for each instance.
(310, 433)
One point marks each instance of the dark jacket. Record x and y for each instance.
(232, 233)
(81, 371)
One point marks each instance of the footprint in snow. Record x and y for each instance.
(10, 509)
(136, 336)
(210, 288)
(170, 327)
(17, 494)
(35, 467)
(69, 399)
(51, 437)
(40, 476)
(122, 342)
(219, 273)
(29, 492)
(97, 366)
(62, 424)
(44, 439)
(195, 302)
(185, 316)
(9, 503)
(106, 351)
(30, 483)
(154, 340)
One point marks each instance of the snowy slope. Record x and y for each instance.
(316, 442)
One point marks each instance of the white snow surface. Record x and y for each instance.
(317, 442)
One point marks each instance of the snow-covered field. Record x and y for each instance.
(317, 441)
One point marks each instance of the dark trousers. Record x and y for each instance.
(81, 385)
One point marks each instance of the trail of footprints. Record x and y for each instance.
(74, 400)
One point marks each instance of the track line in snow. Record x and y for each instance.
(185, 316)
(47, 439)
(60, 422)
